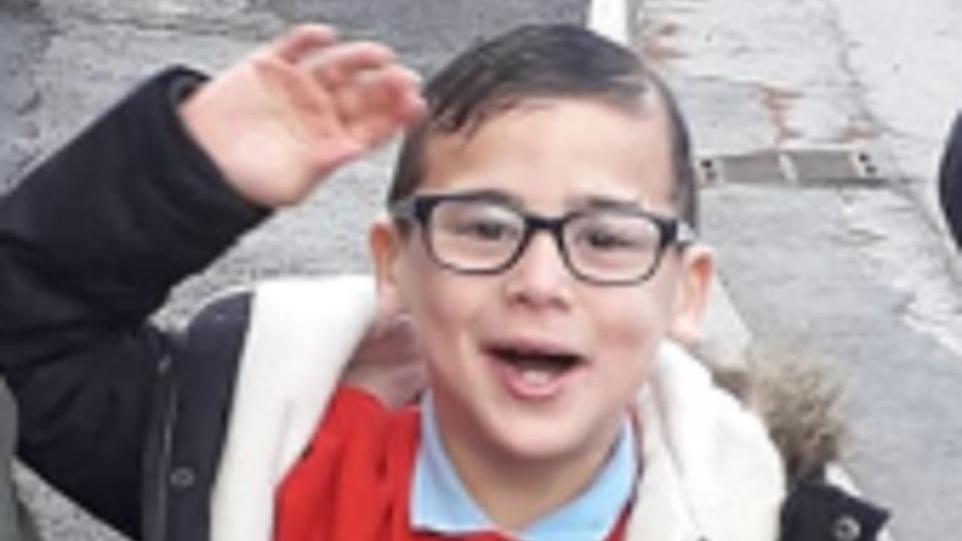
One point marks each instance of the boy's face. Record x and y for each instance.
(550, 157)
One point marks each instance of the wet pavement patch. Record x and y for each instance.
(18, 6)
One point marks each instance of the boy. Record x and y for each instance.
(540, 244)
(539, 241)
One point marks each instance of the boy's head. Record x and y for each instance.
(540, 241)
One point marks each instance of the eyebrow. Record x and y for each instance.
(495, 196)
(602, 202)
(579, 202)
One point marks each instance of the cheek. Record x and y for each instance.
(419, 292)
(629, 333)
(440, 305)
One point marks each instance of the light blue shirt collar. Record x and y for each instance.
(441, 504)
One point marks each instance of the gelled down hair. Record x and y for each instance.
(541, 61)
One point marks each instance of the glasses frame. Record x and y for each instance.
(420, 208)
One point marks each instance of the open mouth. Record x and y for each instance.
(534, 371)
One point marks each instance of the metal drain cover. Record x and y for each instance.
(765, 167)
(810, 167)
(833, 167)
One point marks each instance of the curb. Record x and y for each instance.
(610, 19)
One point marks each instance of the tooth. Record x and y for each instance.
(536, 377)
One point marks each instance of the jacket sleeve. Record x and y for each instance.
(950, 181)
(91, 242)
(816, 510)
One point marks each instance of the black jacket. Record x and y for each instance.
(117, 414)
(127, 419)
(950, 181)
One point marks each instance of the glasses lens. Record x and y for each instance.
(612, 246)
(475, 235)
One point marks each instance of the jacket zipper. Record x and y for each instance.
(170, 420)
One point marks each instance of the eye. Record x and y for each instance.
(612, 233)
(600, 238)
(477, 221)
(485, 229)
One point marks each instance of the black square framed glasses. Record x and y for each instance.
(479, 234)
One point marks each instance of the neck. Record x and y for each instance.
(515, 491)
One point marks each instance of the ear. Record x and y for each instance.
(691, 296)
(384, 242)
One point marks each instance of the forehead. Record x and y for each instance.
(549, 152)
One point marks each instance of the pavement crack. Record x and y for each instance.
(863, 124)
(31, 104)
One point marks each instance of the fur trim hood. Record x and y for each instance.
(798, 402)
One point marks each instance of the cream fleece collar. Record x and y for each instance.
(711, 471)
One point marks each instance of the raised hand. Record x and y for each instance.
(284, 118)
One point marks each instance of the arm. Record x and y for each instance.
(90, 244)
(94, 238)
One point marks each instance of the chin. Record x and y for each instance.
(540, 438)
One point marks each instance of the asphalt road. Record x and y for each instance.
(61, 63)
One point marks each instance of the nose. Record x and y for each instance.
(539, 278)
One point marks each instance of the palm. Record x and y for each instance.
(286, 117)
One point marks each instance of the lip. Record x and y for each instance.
(547, 384)
(518, 385)
(545, 346)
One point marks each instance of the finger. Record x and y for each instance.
(405, 90)
(302, 41)
(341, 63)
(388, 101)
(412, 107)
(309, 114)
(383, 92)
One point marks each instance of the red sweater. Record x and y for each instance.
(354, 481)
